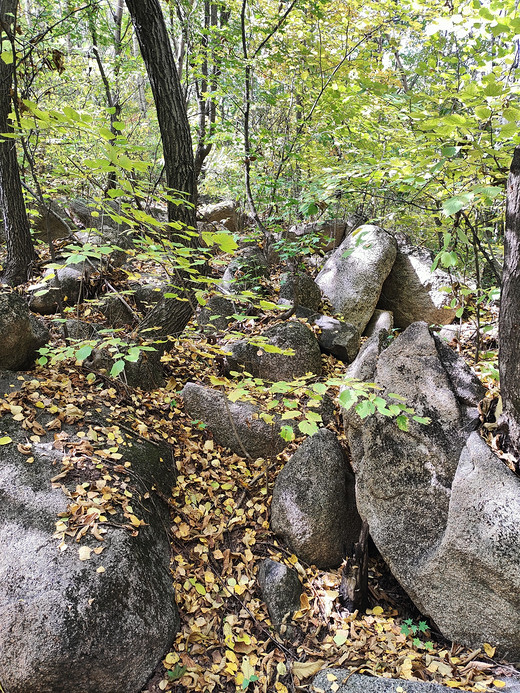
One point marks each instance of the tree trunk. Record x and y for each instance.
(170, 315)
(509, 322)
(158, 57)
(20, 249)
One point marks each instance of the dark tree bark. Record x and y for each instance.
(158, 57)
(170, 315)
(509, 322)
(20, 249)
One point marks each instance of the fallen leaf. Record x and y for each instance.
(84, 553)
(305, 669)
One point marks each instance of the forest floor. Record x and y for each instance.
(220, 535)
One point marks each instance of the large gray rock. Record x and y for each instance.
(381, 320)
(443, 510)
(325, 235)
(68, 284)
(235, 425)
(147, 294)
(81, 330)
(307, 291)
(21, 333)
(277, 366)
(245, 270)
(216, 315)
(94, 215)
(353, 275)
(313, 507)
(344, 681)
(341, 339)
(413, 292)
(118, 313)
(51, 221)
(226, 213)
(281, 590)
(64, 626)
(335, 337)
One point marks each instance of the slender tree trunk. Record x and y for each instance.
(170, 315)
(158, 57)
(20, 249)
(509, 322)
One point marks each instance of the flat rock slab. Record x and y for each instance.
(342, 681)
(235, 425)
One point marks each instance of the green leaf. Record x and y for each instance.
(308, 427)
(7, 57)
(290, 415)
(237, 394)
(455, 204)
(449, 259)
(402, 422)
(71, 113)
(494, 89)
(449, 151)
(176, 673)
(106, 134)
(313, 416)
(365, 408)
(287, 433)
(483, 112)
(83, 353)
(117, 368)
(347, 399)
(340, 638)
(133, 354)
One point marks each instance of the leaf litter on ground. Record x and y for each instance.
(220, 534)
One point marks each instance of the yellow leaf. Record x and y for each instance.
(305, 669)
(5, 440)
(489, 650)
(377, 610)
(280, 687)
(498, 683)
(135, 521)
(453, 684)
(84, 553)
(100, 569)
(247, 669)
(171, 658)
